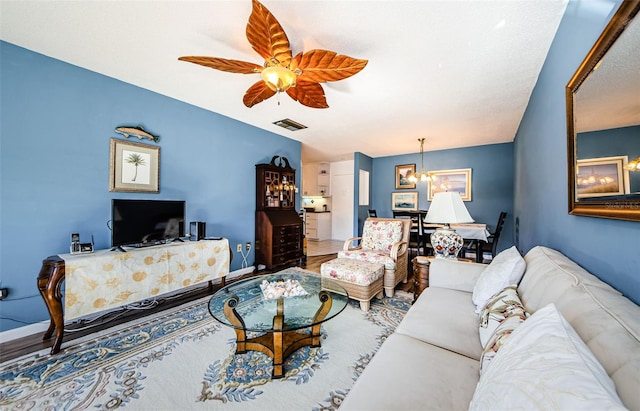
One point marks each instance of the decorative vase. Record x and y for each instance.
(446, 243)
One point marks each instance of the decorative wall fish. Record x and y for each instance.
(136, 131)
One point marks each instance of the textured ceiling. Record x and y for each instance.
(610, 96)
(458, 73)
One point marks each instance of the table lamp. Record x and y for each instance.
(447, 208)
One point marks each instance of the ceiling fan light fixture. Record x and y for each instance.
(278, 78)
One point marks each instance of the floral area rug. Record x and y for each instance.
(183, 359)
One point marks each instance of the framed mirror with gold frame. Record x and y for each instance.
(603, 121)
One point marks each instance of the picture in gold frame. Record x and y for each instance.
(451, 180)
(134, 167)
(402, 176)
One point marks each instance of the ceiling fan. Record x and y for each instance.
(298, 76)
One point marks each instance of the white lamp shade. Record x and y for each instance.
(448, 208)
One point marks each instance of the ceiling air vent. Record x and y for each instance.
(289, 124)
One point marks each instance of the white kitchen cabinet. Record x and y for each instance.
(323, 180)
(316, 179)
(318, 226)
(309, 180)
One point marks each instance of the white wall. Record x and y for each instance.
(342, 200)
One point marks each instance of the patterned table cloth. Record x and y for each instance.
(109, 279)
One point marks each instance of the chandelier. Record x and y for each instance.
(424, 177)
(633, 165)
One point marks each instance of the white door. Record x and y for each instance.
(342, 207)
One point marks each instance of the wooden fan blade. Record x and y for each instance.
(308, 94)
(232, 66)
(257, 94)
(324, 65)
(267, 37)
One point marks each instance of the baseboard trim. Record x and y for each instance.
(41, 327)
(24, 331)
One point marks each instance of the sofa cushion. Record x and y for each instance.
(454, 274)
(545, 365)
(407, 374)
(606, 321)
(505, 269)
(445, 318)
(501, 306)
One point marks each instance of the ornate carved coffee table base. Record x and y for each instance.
(278, 344)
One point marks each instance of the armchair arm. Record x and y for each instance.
(453, 274)
(398, 249)
(348, 242)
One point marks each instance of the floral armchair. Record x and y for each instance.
(384, 241)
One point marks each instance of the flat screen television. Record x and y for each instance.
(146, 222)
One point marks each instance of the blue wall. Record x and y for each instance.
(57, 120)
(607, 248)
(491, 182)
(361, 162)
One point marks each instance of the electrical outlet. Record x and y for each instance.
(248, 246)
(239, 248)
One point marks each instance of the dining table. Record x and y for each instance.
(468, 231)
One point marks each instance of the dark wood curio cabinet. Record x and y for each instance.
(279, 228)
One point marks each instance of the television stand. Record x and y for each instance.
(141, 274)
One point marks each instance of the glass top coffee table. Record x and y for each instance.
(281, 320)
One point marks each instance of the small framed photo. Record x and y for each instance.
(451, 180)
(402, 176)
(404, 201)
(134, 167)
(603, 176)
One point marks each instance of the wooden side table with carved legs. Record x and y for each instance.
(420, 275)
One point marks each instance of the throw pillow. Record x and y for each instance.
(505, 269)
(499, 337)
(501, 306)
(545, 365)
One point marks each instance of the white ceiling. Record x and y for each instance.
(459, 73)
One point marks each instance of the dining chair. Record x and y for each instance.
(373, 213)
(491, 245)
(416, 231)
(424, 234)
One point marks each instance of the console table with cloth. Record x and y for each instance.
(108, 279)
(384, 241)
(532, 333)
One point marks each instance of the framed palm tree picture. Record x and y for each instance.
(134, 167)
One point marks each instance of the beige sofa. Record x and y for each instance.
(432, 360)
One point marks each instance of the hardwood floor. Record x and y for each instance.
(32, 343)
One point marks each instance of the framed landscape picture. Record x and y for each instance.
(451, 180)
(404, 201)
(134, 167)
(402, 176)
(603, 176)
